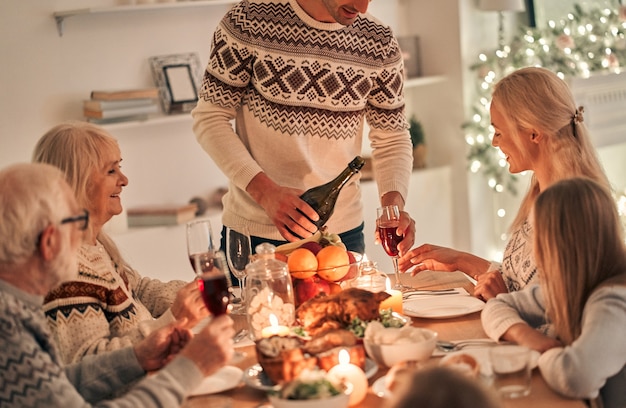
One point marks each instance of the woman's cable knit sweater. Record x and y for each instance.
(106, 308)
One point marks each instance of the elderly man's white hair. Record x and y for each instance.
(32, 196)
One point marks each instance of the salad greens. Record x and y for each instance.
(387, 318)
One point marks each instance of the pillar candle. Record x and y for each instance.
(345, 372)
(394, 302)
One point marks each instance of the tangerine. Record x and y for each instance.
(302, 263)
(332, 263)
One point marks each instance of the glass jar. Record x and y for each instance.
(269, 292)
(370, 278)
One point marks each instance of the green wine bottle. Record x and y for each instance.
(323, 198)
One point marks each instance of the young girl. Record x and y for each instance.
(580, 303)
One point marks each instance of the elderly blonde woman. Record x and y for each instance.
(109, 305)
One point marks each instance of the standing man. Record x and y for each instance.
(300, 78)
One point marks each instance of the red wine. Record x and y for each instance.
(389, 239)
(214, 289)
(323, 198)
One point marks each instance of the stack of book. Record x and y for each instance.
(161, 215)
(121, 105)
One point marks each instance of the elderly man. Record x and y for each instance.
(41, 229)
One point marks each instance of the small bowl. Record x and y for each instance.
(390, 354)
(338, 401)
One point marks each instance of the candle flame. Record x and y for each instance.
(344, 357)
(365, 258)
(273, 320)
(387, 284)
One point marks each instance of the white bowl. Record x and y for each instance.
(390, 354)
(338, 401)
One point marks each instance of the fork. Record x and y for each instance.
(447, 346)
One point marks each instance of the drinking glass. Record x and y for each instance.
(213, 281)
(387, 221)
(238, 251)
(199, 240)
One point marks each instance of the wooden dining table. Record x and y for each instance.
(457, 328)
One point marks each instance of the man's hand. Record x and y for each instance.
(212, 347)
(189, 305)
(284, 207)
(162, 345)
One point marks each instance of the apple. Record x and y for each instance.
(308, 288)
(353, 272)
(314, 247)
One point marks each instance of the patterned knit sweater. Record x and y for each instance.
(32, 374)
(300, 91)
(518, 266)
(105, 308)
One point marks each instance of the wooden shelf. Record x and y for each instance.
(60, 16)
(422, 81)
(150, 121)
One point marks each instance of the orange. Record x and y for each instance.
(302, 263)
(332, 263)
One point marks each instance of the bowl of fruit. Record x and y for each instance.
(319, 264)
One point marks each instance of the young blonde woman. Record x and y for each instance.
(109, 305)
(581, 298)
(539, 128)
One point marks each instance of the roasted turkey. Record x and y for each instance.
(328, 312)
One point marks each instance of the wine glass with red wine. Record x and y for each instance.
(213, 281)
(387, 222)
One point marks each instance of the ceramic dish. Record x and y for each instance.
(444, 307)
(481, 355)
(225, 379)
(255, 377)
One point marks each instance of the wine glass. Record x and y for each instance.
(199, 239)
(238, 251)
(213, 281)
(387, 221)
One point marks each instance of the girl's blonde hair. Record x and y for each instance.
(76, 148)
(578, 245)
(538, 100)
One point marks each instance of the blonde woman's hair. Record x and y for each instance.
(76, 148)
(536, 99)
(578, 245)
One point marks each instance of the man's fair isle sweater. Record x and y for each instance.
(300, 91)
(33, 375)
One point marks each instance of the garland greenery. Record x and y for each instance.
(585, 42)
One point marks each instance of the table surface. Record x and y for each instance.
(464, 327)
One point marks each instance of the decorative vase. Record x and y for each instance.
(419, 156)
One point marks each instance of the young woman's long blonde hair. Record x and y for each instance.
(535, 98)
(578, 246)
(76, 148)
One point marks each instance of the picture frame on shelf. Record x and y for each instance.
(410, 47)
(178, 78)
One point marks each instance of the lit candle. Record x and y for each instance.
(345, 372)
(394, 302)
(274, 328)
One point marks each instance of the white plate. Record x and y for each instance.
(254, 376)
(226, 378)
(481, 354)
(442, 307)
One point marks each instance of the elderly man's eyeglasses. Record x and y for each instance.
(82, 220)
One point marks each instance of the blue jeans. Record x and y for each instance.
(354, 240)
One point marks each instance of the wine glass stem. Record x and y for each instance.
(398, 284)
